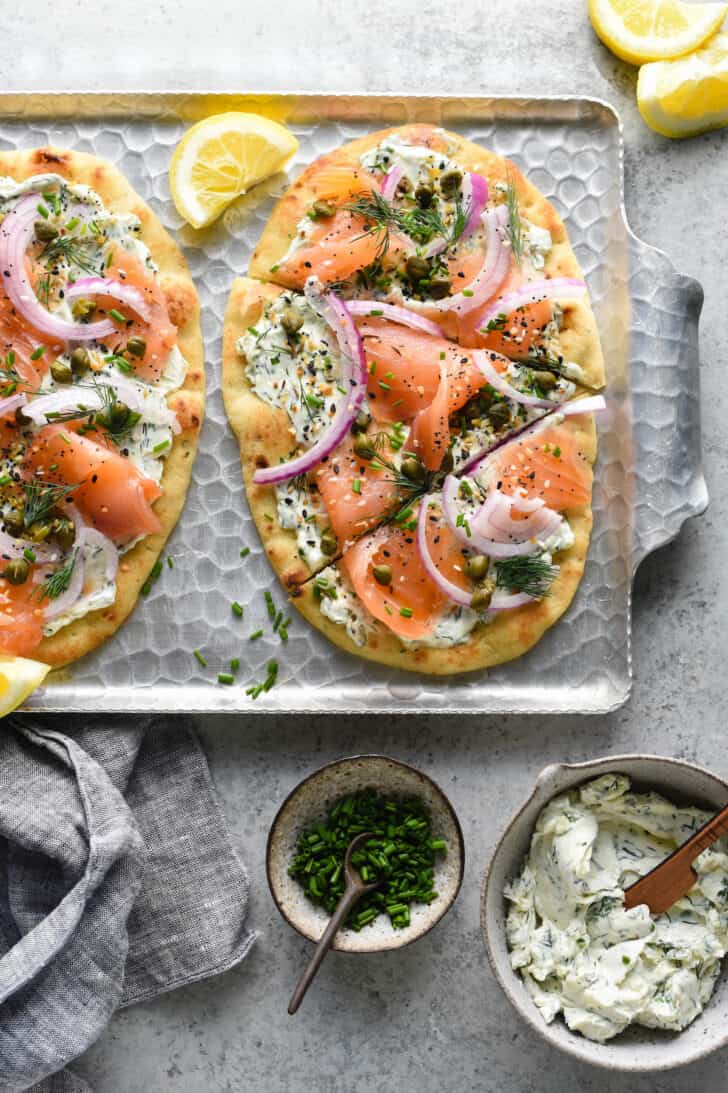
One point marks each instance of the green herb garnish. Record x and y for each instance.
(59, 582)
(530, 574)
(40, 500)
(515, 228)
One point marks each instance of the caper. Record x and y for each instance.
(80, 360)
(499, 414)
(439, 286)
(476, 567)
(361, 422)
(82, 308)
(17, 571)
(39, 531)
(61, 372)
(118, 415)
(424, 195)
(44, 231)
(13, 522)
(545, 380)
(329, 542)
(291, 319)
(448, 462)
(382, 574)
(481, 598)
(363, 447)
(412, 468)
(417, 268)
(450, 181)
(21, 417)
(473, 410)
(137, 346)
(323, 208)
(63, 532)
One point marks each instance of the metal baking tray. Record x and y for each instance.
(648, 477)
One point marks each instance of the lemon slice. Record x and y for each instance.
(222, 157)
(654, 30)
(18, 679)
(688, 95)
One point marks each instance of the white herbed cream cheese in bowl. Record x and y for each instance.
(626, 990)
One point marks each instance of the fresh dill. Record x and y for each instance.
(515, 228)
(43, 289)
(530, 574)
(421, 225)
(40, 500)
(70, 249)
(107, 416)
(60, 581)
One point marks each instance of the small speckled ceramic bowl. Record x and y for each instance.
(636, 1049)
(309, 803)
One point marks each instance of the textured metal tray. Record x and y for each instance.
(648, 479)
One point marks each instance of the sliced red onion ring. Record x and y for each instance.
(451, 590)
(436, 246)
(493, 520)
(556, 288)
(353, 378)
(68, 399)
(15, 234)
(475, 198)
(97, 540)
(506, 601)
(67, 599)
(396, 314)
(483, 360)
(391, 181)
(490, 276)
(12, 403)
(125, 293)
(492, 539)
(595, 404)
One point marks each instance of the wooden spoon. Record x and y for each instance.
(354, 889)
(675, 876)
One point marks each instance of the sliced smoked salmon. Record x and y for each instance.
(358, 493)
(158, 332)
(109, 491)
(21, 616)
(546, 465)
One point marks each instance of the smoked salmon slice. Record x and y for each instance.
(109, 491)
(546, 465)
(514, 336)
(410, 604)
(21, 616)
(338, 181)
(358, 493)
(19, 344)
(339, 247)
(159, 332)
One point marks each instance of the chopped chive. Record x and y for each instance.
(170, 561)
(5, 480)
(256, 634)
(442, 355)
(38, 353)
(270, 605)
(226, 678)
(274, 269)
(43, 211)
(406, 612)
(160, 447)
(122, 365)
(72, 223)
(115, 314)
(245, 552)
(356, 485)
(467, 292)
(237, 609)
(28, 555)
(199, 657)
(234, 664)
(253, 331)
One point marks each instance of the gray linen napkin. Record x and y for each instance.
(117, 881)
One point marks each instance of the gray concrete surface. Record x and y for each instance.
(431, 1018)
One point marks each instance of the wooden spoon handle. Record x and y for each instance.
(350, 897)
(707, 834)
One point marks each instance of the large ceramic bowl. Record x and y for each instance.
(636, 1049)
(309, 803)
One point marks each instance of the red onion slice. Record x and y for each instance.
(12, 403)
(96, 539)
(68, 399)
(125, 293)
(477, 540)
(595, 404)
(490, 276)
(15, 234)
(556, 288)
(391, 181)
(483, 360)
(475, 198)
(493, 519)
(335, 313)
(451, 590)
(506, 601)
(374, 309)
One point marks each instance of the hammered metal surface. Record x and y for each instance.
(648, 478)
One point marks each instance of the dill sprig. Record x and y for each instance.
(70, 249)
(105, 416)
(59, 582)
(41, 498)
(531, 574)
(421, 225)
(515, 228)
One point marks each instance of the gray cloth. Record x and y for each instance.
(117, 881)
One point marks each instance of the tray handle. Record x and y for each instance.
(669, 485)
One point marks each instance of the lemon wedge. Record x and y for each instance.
(688, 95)
(19, 677)
(222, 157)
(654, 30)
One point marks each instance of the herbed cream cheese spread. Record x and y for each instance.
(579, 951)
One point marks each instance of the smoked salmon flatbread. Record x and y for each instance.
(410, 372)
(101, 399)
